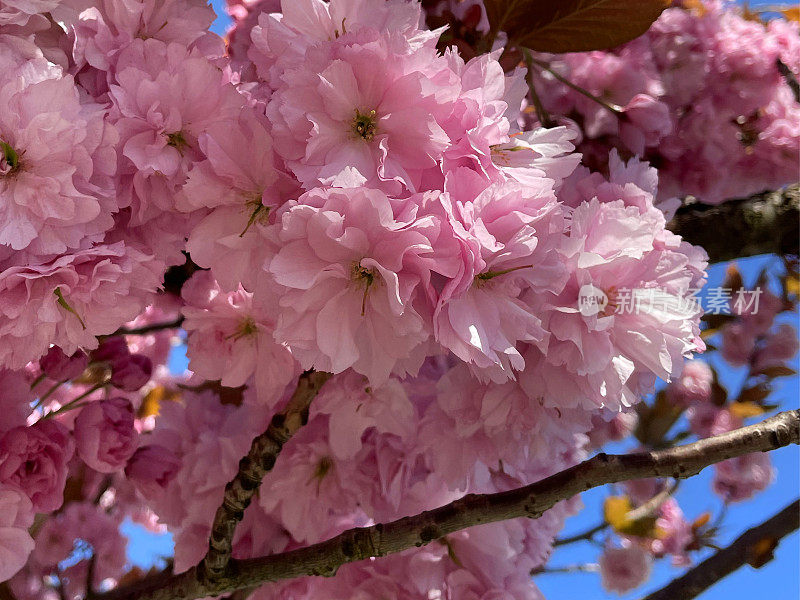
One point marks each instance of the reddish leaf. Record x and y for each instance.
(777, 371)
(572, 25)
(754, 394)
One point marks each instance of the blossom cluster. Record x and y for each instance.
(705, 91)
(333, 192)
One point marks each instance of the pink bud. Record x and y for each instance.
(58, 366)
(131, 372)
(111, 349)
(105, 434)
(151, 469)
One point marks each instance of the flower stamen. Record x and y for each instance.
(364, 125)
(361, 274)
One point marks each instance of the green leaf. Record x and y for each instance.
(65, 305)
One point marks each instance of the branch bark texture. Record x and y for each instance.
(762, 224)
(753, 547)
(258, 462)
(474, 509)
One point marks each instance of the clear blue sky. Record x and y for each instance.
(778, 580)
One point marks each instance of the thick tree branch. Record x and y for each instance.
(474, 509)
(754, 547)
(762, 224)
(252, 468)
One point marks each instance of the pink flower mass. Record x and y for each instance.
(365, 259)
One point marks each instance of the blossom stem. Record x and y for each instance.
(48, 393)
(544, 117)
(492, 274)
(72, 404)
(614, 108)
(38, 380)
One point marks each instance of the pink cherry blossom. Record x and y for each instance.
(15, 400)
(333, 111)
(56, 161)
(645, 327)
(694, 384)
(623, 569)
(34, 461)
(16, 516)
(739, 479)
(352, 273)
(152, 468)
(104, 434)
(54, 541)
(509, 235)
(69, 300)
(231, 339)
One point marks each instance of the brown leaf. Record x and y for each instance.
(777, 371)
(754, 394)
(733, 277)
(572, 25)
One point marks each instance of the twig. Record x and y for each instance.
(613, 108)
(754, 547)
(474, 509)
(252, 468)
(790, 78)
(645, 510)
(544, 117)
(174, 324)
(582, 568)
(579, 537)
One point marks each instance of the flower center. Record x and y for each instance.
(258, 212)
(246, 328)
(176, 140)
(322, 468)
(9, 159)
(364, 125)
(362, 276)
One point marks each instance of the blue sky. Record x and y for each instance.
(778, 579)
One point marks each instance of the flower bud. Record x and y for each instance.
(105, 435)
(111, 349)
(130, 373)
(59, 367)
(151, 469)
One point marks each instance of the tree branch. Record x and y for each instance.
(174, 324)
(252, 468)
(474, 509)
(753, 547)
(6, 593)
(762, 224)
